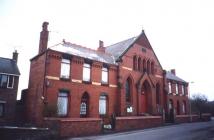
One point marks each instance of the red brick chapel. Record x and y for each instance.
(123, 79)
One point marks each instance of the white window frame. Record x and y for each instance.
(65, 69)
(183, 89)
(104, 75)
(62, 98)
(176, 88)
(183, 108)
(170, 87)
(86, 72)
(102, 105)
(8, 79)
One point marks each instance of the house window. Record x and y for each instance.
(102, 105)
(6, 81)
(184, 107)
(10, 81)
(86, 72)
(3, 81)
(65, 69)
(128, 91)
(176, 88)
(104, 75)
(1, 109)
(183, 89)
(170, 87)
(62, 103)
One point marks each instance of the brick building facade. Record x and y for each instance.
(9, 79)
(123, 79)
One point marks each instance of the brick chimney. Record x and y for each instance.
(101, 46)
(173, 71)
(43, 43)
(15, 56)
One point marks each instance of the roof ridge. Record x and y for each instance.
(77, 45)
(121, 41)
(6, 58)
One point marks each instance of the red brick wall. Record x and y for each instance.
(35, 95)
(75, 126)
(124, 73)
(130, 123)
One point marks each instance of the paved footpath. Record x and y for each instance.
(186, 131)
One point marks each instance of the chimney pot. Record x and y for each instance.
(43, 43)
(15, 56)
(173, 71)
(101, 46)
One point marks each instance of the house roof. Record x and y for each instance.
(119, 48)
(77, 50)
(8, 66)
(171, 76)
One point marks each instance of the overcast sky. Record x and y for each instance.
(181, 32)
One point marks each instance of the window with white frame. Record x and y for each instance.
(62, 103)
(10, 81)
(104, 75)
(86, 72)
(65, 69)
(6, 81)
(183, 89)
(176, 88)
(170, 87)
(102, 105)
(183, 107)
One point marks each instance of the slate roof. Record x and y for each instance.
(77, 50)
(171, 76)
(8, 66)
(119, 48)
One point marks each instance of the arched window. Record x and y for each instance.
(135, 62)
(128, 90)
(102, 105)
(158, 94)
(152, 68)
(148, 67)
(84, 106)
(144, 65)
(139, 64)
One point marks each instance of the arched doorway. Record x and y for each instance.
(84, 105)
(146, 98)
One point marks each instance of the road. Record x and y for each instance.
(187, 131)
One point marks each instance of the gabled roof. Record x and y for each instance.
(8, 66)
(77, 50)
(119, 48)
(171, 76)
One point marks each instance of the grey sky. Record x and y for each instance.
(180, 31)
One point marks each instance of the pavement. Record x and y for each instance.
(186, 131)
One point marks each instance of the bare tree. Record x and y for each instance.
(199, 104)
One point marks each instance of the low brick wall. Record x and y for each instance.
(137, 122)
(195, 118)
(72, 127)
